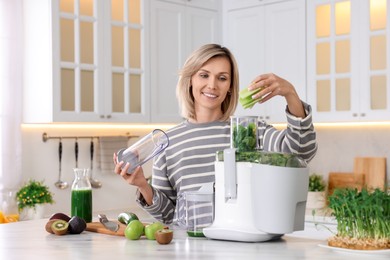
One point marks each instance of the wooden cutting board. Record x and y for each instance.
(99, 228)
(345, 180)
(374, 170)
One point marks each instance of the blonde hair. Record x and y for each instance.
(192, 65)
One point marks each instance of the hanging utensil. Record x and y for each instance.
(60, 184)
(94, 183)
(76, 152)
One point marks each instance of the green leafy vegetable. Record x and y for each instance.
(362, 215)
(245, 97)
(244, 138)
(316, 183)
(267, 158)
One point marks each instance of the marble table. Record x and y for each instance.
(29, 240)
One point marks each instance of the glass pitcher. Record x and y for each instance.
(144, 150)
(243, 133)
(198, 211)
(81, 201)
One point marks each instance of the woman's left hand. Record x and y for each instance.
(271, 86)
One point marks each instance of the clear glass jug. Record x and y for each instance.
(81, 201)
(196, 211)
(144, 149)
(243, 133)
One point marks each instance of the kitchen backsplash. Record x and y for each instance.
(338, 146)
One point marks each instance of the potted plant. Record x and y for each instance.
(31, 198)
(316, 197)
(362, 217)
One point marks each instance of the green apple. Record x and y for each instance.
(151, 229)
(134, 230)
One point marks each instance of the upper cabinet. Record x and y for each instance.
(85, 61)
(348, 60)
(176, 29)
(268, 37)
(110, 60)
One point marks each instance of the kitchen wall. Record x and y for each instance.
(40, 162)
(338, 145)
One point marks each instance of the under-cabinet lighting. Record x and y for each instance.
(96, 126)
(167, 126)
(353, 124)
(343, 124)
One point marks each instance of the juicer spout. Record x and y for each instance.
(230, 174)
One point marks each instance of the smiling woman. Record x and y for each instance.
(10, 93)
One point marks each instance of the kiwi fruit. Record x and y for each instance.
(60, 215)
(60, 227)
(48, 226)
(77, 225)
(164, 236)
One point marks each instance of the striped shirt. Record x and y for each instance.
(188, 162)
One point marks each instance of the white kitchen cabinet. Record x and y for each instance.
(348, 60)
(85, 61)
(205, 4)
(238, 4)
(175, 31)
(268, 38)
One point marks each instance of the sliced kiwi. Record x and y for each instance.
(48, 226)
(60, 227)
(77, 225)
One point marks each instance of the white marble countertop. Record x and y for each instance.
(29, 240)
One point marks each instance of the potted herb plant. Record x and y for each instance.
(362, 217)
(31, 198)
(316, 197)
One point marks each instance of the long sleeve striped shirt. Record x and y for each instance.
(188, 162)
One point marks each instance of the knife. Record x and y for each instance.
(110, 225)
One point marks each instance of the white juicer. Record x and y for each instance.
(256, 202)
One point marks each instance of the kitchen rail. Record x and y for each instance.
(46, 137)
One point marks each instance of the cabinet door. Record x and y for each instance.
(167, 28)
(245, 38)
(285, 51)
(176, 30)
(348, 57)
(333, 89)
(269, 39)
(126, 92)
(96, 61)
(374, 22)
(77, 66)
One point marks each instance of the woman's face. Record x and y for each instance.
(211, 83)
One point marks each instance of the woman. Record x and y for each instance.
(207, 91)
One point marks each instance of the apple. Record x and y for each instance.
(164, 236)
(134, 230)
(151, 229)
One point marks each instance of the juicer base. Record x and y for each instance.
(238, 235)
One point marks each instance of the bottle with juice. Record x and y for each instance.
(81, 201)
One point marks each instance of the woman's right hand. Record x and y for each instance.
(137, 178)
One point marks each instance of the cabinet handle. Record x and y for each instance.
(363, 114)
(101, 116)
(354, 114)
(108, 116)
